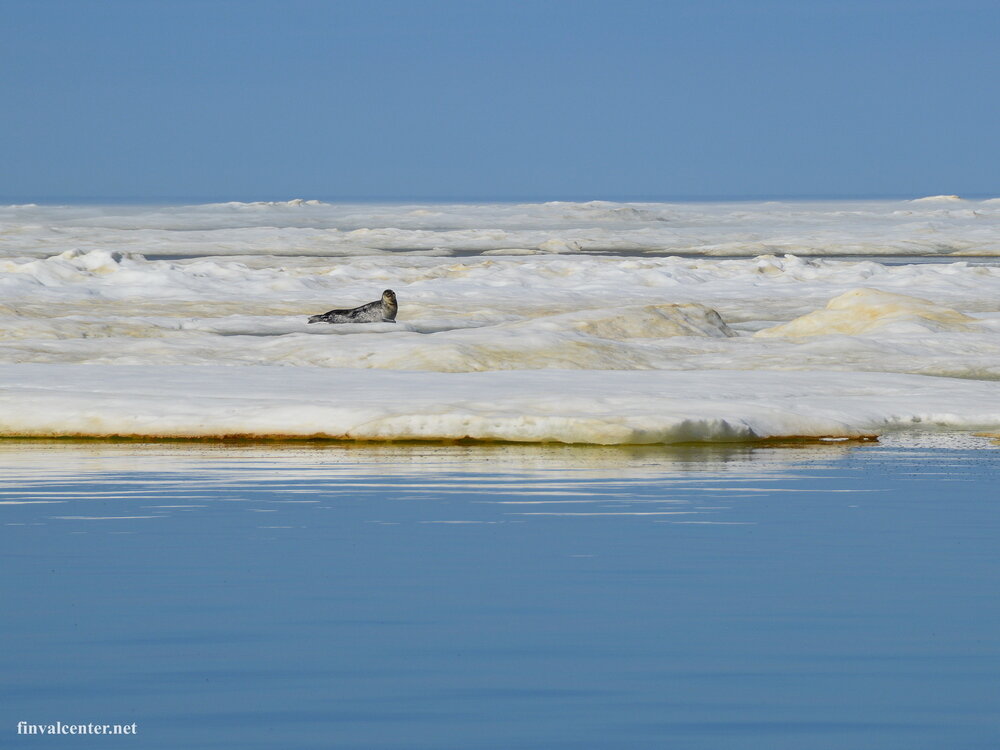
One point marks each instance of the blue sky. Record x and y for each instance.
(243, 99)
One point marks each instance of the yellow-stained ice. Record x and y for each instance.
(861, 311)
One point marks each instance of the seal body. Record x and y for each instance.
(379, 311)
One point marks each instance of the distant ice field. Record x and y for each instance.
(932, 226)
(587, 323)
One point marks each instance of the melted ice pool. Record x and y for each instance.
(472, 597)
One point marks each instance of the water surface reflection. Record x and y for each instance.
(415, 596)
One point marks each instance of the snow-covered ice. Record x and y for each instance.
(597, 322)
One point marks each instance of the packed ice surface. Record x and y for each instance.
(207, 306)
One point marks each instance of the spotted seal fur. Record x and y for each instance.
(379, 311)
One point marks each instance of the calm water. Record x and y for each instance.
(459, 597)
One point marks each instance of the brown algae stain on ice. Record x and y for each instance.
(790, 440)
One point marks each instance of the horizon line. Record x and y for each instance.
(709, 198)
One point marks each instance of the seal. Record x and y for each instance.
(379, 311)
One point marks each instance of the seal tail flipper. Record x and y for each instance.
(317, 319)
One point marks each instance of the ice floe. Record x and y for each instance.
(560, 321)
